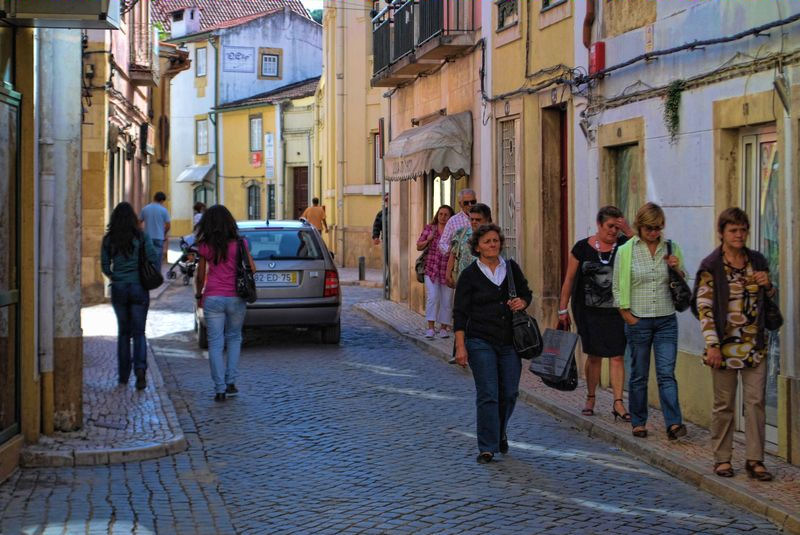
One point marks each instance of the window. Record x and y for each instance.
(201, 136)
(276, 244)
(624, 182)
(177, 16)
(377, 161)
(203, 194)
(200, 61)
(255, 133)
(507, 13)
(547, 4)
(254, 202)
(271, 201)
(270, 60)
(270, 65)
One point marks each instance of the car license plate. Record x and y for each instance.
(275, 278)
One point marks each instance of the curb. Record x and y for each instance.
(732, 492)
(39, 456)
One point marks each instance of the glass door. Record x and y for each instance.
(760, 176)
(9, 265)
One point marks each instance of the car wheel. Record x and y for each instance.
(202, 336)
(332, 334)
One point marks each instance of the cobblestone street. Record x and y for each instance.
(373, 436)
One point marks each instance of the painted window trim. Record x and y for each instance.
(516, 10)
(277, 52)
(260, 138)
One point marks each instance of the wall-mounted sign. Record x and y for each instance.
(238, 59)
(269, 155)
(255, 159)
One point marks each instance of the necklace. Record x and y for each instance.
(604, 261)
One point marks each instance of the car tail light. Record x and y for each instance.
(331, 283)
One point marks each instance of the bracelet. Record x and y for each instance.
(563, 311)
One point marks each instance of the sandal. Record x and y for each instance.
(760, 475)
(640, 432)
(484, 457)
(676, 431)
(586, 410)
(626, 417)
(724, 472)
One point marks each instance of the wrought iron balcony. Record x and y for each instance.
(144, 65)
(445, 27)
(381, 41)
(403, 30)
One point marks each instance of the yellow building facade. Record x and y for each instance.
(347, 135)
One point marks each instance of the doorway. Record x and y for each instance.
(300, 191)
(760, 175)
(555, 203)
(507, 194)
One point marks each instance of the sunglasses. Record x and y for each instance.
(650, 228)
(469, 203)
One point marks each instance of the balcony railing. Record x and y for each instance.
(404, 30)
(445, 17)
(144, 64)
(381, 41)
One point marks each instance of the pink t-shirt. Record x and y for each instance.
(220, 278)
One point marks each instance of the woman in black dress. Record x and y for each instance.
(588, 282)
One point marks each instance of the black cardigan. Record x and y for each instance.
(480, 306)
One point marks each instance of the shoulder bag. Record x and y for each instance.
(678, 289)
(773, 319)
(245, 281)
(149, 277)
(527, 338)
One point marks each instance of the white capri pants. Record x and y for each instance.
(438, 302)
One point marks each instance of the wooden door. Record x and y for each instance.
(300, 191)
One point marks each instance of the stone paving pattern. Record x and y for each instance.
(689, 458)
(372, 436)
(120, 423)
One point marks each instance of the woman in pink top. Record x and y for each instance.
(215, 283)
(438, 296)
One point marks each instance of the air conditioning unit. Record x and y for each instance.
(79, 14)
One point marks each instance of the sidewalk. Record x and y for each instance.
(689, 459)
(349, 277)
(121, 424)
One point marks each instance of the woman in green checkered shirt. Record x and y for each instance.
(641, 290)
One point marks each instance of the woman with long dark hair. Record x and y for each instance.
(119, 257)
(215, 286)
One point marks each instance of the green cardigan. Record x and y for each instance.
(622, 271)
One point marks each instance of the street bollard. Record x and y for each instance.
(362, 268)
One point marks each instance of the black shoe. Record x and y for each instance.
(504, 445)
(141, 382)
(676, 431)
(219, 397)
(231, 390)
(484, 457)
(123, 380)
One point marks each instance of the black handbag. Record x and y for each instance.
(149, 277)
(678, 288)
(556, 366)
(773, 319)
(245, 281)
(527, 339)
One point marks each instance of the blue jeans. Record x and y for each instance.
(224, 318)
(130, 301)
(660, 334)
(496, 370)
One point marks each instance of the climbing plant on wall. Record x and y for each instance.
(672, 108)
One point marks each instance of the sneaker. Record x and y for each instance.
(444, 333)
(430, 334)
(220, 396)
(231, 390)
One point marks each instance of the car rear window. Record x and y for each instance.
(282, 244)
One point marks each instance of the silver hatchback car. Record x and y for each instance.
(296, 280)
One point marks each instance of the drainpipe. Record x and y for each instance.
(340, 156)
(280, 176)
(46, 187)
(220, 189)
(588, 21)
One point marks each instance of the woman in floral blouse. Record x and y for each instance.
(438, 296)
(730, 291)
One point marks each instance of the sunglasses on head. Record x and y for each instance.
(469, 203)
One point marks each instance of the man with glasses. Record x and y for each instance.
(466, 200)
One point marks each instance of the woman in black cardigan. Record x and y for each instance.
(482, 325)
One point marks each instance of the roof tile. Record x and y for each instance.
(218, 13)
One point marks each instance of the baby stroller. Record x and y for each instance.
(187, 263)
